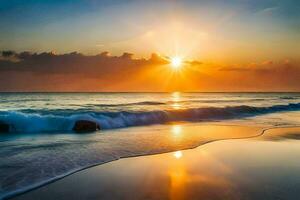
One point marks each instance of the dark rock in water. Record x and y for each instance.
(85, 126)
(4, 127)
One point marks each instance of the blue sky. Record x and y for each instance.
(92, 26)
(232, 45)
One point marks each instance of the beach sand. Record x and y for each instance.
(261, 167)
(41, 159)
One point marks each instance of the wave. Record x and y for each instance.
(172, 102)
(129, 104)
(216, 101)
(28, 122)
(288, 98)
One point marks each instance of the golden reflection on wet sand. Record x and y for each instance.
(189, 180)
(232, 169)
(178, 176)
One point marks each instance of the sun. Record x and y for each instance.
(177, 154)
(176, 62)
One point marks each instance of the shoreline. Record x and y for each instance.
(48, 182)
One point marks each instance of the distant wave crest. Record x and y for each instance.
(29, 122)
(131, 104)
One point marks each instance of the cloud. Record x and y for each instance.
(265, 66)
(72, 63)
(268, 62)
(7, 54)
(250, 67)
(268, 75)
(194, 62)
(238, 69)
(36, 71)
(74, 71)
(269, 9)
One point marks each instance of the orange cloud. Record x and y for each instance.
(77, 72)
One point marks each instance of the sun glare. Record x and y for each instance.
(177, 154)
(176, 62)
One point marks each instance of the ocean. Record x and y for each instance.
(41, 147)
(57, 112)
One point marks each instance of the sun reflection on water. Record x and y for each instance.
(176, 129)
(176, 98)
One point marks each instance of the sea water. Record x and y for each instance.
(57, 112)
(42, 146)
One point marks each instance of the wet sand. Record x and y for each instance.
(39, 160)
(260, 167)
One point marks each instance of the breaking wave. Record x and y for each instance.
(55, 122)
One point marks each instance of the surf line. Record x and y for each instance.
(54, 179)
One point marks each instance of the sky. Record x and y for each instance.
(233, 45)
